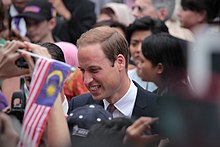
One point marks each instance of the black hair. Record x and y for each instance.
(211, 7)
(168, 50)
(54, 50)
(146, 24)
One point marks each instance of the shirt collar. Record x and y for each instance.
(13, 12)
(126, 104)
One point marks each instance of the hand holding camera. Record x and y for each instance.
(8, 57)
(11, 62)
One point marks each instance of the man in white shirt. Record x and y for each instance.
(103, 59)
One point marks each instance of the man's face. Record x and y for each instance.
(20, 4)
(37, 31)
(189, 19)
(143, 8)
(100, 75)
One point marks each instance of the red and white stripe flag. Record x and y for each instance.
(47, 81)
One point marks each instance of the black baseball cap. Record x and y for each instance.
(38, 10)
(82, 118)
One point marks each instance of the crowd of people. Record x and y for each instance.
(139, 75)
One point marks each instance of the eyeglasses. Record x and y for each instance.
(139, 8)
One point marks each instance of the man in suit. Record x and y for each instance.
(103, 57)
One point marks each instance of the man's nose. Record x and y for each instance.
(87, 78)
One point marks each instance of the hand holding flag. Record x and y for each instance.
(47, 81)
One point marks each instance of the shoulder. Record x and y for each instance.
(146, 103)
(79, 101)
(142, 92)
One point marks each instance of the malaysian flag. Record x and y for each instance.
(47, 81)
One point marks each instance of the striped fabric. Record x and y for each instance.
(47, 81)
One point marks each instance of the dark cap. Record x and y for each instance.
(38, 10)
(82, 118)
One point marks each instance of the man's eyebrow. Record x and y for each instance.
(90, 67)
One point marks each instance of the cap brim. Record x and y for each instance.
(32, 16)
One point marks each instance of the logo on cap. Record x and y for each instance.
(33, 9)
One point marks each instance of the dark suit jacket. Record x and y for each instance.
(145, 104)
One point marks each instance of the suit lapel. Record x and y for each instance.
(140, 106)
(92, 101)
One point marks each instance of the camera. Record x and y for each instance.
(18, 104)
(22, 63)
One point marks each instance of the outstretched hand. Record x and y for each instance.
(136, 136)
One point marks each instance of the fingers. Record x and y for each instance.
(142, 124)
(37, 49)
(30, 62)
(12, 46)
(136, 133)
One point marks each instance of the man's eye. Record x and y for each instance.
(93, 70)
(82, 70)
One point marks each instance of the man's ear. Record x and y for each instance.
(53, 23)
(160, 68)
(120, 62)
(162, 14)
(201, 17)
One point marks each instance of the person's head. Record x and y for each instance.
(40, 20)
(106, 13)
(116, 12)
(157, 9)
(163, 59)
(121, 28)
(103, 56)
(20, 4)
(54, 50)
(70, 52)
(196, 12)
(82, 118)
(140, 29)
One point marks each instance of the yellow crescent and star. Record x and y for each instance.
(51, 89)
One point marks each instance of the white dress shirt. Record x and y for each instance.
(124, 107)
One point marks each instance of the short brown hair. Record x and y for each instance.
(112, 42)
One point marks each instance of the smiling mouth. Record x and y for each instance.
(93, 88)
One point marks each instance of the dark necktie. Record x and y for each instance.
(111, 108)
